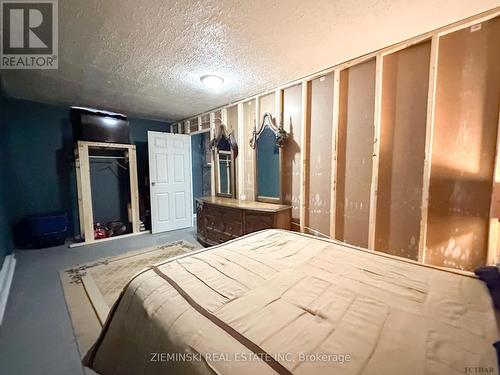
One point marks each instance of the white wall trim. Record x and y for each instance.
(6, 276)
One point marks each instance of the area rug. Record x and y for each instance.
(91, 289)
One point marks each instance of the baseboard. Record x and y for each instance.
(114, 238)
(6, 276)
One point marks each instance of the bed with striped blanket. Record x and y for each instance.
(288, 303)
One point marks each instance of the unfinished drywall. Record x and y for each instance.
(292, 121)
(405, 86)
(463, 151)
(354, 153)
(319, 156)
(193, 125)
(246, 151)
(205, 121)
(218, 118)
(267, 105)
(232, 120)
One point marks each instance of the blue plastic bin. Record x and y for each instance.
(48, 229)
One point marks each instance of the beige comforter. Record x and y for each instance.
(311, 306)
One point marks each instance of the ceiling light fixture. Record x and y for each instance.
(212, 81)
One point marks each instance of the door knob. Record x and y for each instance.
(153, 183)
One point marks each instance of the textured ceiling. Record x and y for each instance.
(144, 58)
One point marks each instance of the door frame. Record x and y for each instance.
(82, 166)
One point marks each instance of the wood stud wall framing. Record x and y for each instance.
(494, 225)
(431, 102)
(304, 149)
(291, 115)
(82, 157)
(335, 136)
(341, 76)
(212, 170)
(240, 161)
(376, 150)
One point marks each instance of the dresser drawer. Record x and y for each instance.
(221, 220)
(255, 221)
(228, 221)
(218, 237)
(233, 228)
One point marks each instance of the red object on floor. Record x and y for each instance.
(99, 232)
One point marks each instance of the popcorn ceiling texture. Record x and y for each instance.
(144, 58)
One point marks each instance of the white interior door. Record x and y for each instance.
(170, 181)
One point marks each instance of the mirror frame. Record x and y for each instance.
(221, 133)
(281, 137)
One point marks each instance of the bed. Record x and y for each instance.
(282, 302)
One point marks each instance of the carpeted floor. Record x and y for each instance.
(36, 336)
(91, 289)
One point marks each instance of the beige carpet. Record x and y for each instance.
(91, 289)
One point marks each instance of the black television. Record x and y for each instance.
(99, 126)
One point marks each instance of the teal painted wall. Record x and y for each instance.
(5, 236)
(39, 160)
(41, 176)
(268, 169)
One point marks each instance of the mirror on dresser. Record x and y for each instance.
(225, 151)
(267, 141)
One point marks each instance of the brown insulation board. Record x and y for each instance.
(319, 156)
(205, 121)
(193, 125)
(232, 120)
(267, 104)
(463, 151)
(217, 118)
(246, 151)
(405, 86)
(292, 121)
(354, 153)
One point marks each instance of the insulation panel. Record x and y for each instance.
(193, 125)
(205, 121)
(405, 85)
(464, 142)
(319, 156)
(218, 118)
(354, 153)
(232, 120)
(267, 104)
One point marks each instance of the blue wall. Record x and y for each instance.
(5, 237)
(41, 176)
(268, 168)
(38, 157)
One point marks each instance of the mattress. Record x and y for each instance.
(288, 303)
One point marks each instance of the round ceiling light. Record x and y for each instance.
(212, 81)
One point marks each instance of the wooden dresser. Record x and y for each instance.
(222, 219)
